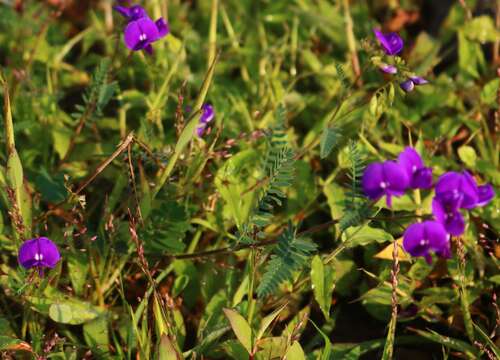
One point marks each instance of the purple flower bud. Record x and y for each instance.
(141, 31)
(391, 43)
(419, 175)
(387, 178)
(420, 238)
(207, 115)
(39, 252)
(132, 13)
(417, 80)
(388, 69)
(407, 86)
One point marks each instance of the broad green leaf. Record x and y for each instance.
(373, 105)
(264, 324)
(180, 284)
(73, 312)
(364, 235)
(61, 138)
(51, 187)
(335, 196)
(235, 350)
(14, 170)
(295, 352)
(167, 349)
(241, 328)
(353, 354)
(326, 354)
(495, 279)
(322, 282)
(481, 29)
(96, 333)
(272, 348)
(13, 344)
(468, 155)
(489, 93)
(329, 139)
(78, 271)
(470, 56)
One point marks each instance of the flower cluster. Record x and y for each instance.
(391, 178)
(453, 192)
(141, 31)
(392, 44)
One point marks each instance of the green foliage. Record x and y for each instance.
(170, 230)
(98, 94)
(167, 228)
(356, 206)
(278, 167)
(329, 140)
(290, 254)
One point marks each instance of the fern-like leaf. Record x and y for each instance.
(278, 168)
(98, 94)
(289, 255)
(356, 206)
(166, 229)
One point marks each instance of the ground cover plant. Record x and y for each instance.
(243, 179)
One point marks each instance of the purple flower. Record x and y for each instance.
(417, 80)
(420, 176)
(455, 191)
(420, 238)
(409, 85)
(391, 42)
(39, 252)
(388, 69)
(207, 115)
(485, 194)
(141, 31)
(387, 178)
(448, 215)
(132, 13)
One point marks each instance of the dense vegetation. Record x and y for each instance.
(199, 187)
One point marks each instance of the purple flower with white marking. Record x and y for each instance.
(420, 239)
(38, 253)
(448, 215)
(460, 190)
(391, 42)
(420, 176)
(141, 31)
(207, 115)
(455, 191)
(409, 84)
(387, 178)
